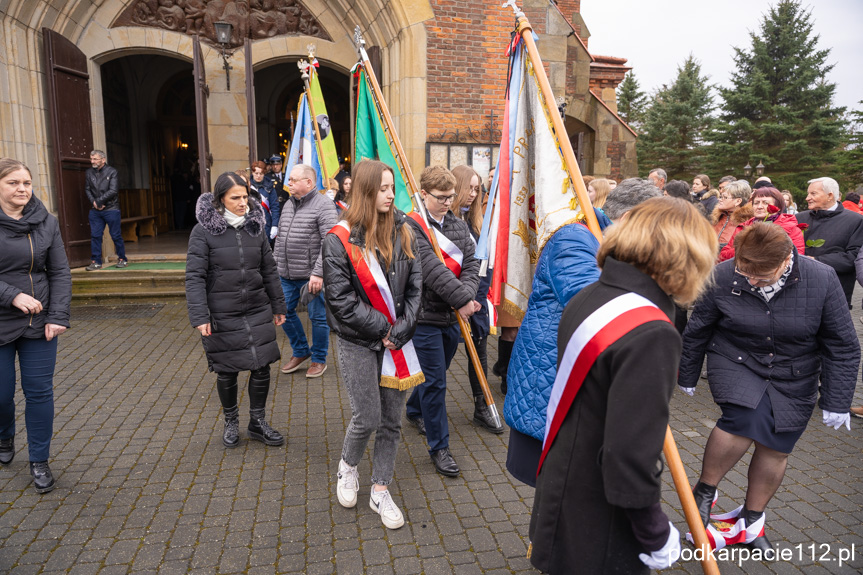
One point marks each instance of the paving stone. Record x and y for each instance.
(145, 485)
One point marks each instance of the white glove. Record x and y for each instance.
(690, 391)
(668, 555)
(274, 232)
(837, 420)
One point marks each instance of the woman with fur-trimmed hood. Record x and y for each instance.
(234, 298)
(732, 210)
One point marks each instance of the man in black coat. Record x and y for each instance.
(101, 187)
(834, 235)
(437, 334)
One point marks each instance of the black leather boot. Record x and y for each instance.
(7, 450)
(704, 494)
(43, 479)
(761, 542)
(261, 431)
(482, 415)
(259, 389)
(231, 436)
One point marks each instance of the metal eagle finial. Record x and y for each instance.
(304, 68)
(311, 48)
(511, 4)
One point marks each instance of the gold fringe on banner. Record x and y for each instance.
(392, 382)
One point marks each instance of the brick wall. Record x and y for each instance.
(467, 43)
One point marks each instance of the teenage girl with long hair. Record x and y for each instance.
(372, 283)
(468, 206)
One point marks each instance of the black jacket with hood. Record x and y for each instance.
(33, 261)
(232, 284)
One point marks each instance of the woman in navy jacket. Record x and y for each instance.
(772, 326)
(35, 297)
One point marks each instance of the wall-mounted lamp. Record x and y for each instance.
(223, 37)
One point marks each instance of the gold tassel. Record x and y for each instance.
(529, 549)
(393, 382)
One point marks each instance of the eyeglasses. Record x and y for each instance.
(443, 200)
(294, 181)
(724, 197)
(761, 279)
(476, 189)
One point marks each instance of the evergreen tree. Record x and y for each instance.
(851, 158)
(631, 101)
(676, 123)
(779, 109)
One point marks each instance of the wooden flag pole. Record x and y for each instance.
(406, 170)
(672, 456)
(526, 32)
(304, 66)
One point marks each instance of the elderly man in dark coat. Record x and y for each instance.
(834, 235)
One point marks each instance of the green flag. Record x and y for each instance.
(372, 142)
(328, 142)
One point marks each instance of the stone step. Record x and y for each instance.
(116, 286)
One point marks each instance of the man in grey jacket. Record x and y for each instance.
(101, 188)
(306, 219)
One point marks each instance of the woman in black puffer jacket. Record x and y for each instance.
(35, 296)
(777, 333)
(234, 298)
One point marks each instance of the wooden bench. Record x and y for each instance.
(138, 226)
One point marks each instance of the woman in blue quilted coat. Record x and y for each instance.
(772, 326)
(566, 265)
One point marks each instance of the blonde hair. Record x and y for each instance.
(379, 228)
(602, 188)
(473, 217)
(669, 240)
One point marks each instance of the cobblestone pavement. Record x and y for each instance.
(145, 485)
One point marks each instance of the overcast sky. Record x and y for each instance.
(657, 36)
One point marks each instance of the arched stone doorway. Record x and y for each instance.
(278, 87)
(149, 109)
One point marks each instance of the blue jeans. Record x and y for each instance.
(294, 327)
(36, 358)
(435, 348)
(98, 220)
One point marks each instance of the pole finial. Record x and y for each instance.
(303, 65)
(511, 4)
(311, 48)
(360, 43)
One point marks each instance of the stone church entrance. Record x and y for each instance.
(151, 139)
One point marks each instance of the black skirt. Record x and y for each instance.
(522, 457)
(757, 424)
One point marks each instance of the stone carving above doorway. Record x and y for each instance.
(256, 19)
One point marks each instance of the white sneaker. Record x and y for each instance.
(348, 484)
(382, 502)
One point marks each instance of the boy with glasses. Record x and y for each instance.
(449, 287)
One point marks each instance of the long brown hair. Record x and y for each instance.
(366, 180)
(473, 217)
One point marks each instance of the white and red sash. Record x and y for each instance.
(452, 256)
(341, 205)
(730, 528)
(601, 329)
(401, 367)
